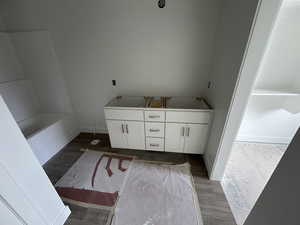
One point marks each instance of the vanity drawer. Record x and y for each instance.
(155, 129)
(123, 114)
(155, 144)
(188, 117)
(155, 116)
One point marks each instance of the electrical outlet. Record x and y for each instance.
(114, 83)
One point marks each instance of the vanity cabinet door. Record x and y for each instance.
(117, 135)
(195, 138)
(174, 137)
(135, 132)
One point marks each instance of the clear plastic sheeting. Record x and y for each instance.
(158, 195)
(95, 179)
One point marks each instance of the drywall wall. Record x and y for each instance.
(2, 25)
(30, 76)
(275, 119)
(280, 69)
(10, 68)
(234, 30)
(24, 184)
(17, 92)
(20, 98)
(39, 62)
(266, 120)
(279, 202)
(263, 24)
(149, 51)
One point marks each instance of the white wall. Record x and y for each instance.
(234, 30)
(30, 78)
(39, 61)
(20, 98)
(279, 202)
(2, 25)
(10, 68)
(17, 92)
(266, 120)
(149, 51)
(263, 24)
(281, 65)
(275, 119)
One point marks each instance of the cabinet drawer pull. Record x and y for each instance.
(188, 131)
(154, 130)
(154, 145)
(154, 116)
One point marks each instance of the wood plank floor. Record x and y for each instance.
(214, 206)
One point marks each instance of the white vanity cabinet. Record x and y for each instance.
(174, 138)
(153, 129)
(126, 134)
(117, 133)
(135, 132)
(182, 126)
(155, 116)
(126, 128)
(186, 131)
(195, 138)
(186, 137)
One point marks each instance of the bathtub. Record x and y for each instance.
(47, 134)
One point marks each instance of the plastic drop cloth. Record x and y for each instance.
(94, 180)
(158, 195)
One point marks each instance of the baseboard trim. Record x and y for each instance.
(209, 162)
(93, 130)
(264, 139)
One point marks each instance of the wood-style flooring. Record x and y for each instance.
(249, 168)
(214, 206)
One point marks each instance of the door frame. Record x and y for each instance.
(262, 28)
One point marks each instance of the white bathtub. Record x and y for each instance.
(47, 134)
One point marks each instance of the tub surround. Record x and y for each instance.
(170, 124)
(32, 86)
(47, 134)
